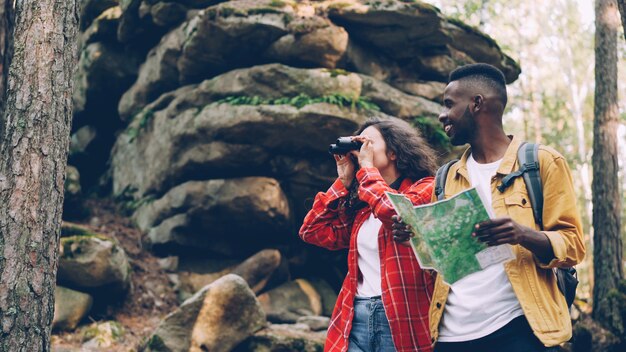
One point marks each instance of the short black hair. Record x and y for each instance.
(484, 74)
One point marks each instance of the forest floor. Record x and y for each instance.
(151, 296)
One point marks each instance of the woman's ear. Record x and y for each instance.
(391, 155)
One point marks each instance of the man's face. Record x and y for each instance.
(458, 122)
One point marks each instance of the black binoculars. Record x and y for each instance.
(344, 145)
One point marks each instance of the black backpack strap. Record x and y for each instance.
(440, 179)
(528, 157)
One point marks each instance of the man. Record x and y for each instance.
(515, 306)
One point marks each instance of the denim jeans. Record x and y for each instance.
(370, 328)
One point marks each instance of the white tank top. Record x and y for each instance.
(369, 258)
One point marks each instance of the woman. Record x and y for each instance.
(384, 300)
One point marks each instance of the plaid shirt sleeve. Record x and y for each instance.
(372, 188)
(327, 224)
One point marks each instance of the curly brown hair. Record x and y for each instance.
(415, 158)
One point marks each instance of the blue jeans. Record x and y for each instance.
(370, 328)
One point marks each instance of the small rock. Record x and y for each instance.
(102, 335)
(169, 264)
(70, 307)
(288, 302)
(315, 323)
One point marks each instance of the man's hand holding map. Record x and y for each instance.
(443, 234)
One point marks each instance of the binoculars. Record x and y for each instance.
(344, 145)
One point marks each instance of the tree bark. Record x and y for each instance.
(33, 155)
(622, 11)
(606, 193)
(6, 47)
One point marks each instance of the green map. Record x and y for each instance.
(443, 234)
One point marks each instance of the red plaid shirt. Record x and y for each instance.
(406, 288)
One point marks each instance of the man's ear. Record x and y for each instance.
(477, 104)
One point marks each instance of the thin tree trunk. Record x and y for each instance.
(606, 194)
(622, 11)
(33, 154)
(6, 47)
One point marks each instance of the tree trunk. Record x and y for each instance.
(622, 11)
(6, 45)
(33, 152)
(607, 252)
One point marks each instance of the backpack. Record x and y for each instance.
(528, 158)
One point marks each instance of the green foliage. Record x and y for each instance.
(155, 343)
(300, 100)
(145, 117)
(128, 202)
(433, 131)
(277, 3)
(335, 72)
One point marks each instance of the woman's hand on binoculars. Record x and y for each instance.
(345, 169)
(366, 154)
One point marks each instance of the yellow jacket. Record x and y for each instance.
(534, 282)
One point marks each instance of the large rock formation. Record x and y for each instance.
(209, 122)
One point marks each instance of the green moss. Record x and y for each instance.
(334, 72)
(301, 100)
(155, 343)
(128, 201)
(68, 242)
(433, 132)
(69, 229)
(278, 3)
(264, 10)
(99, 330)
(140, 123)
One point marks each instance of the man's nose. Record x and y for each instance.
(442, 116)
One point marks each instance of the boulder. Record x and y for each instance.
(312, 41)
(103, 28)
(93, 263)
(168, 14)
(428, 89)
(217, 318)
(187, 132)
(327, 295)
(70, 307)
(284, 337)
(418, 35)
(157, 75)
(230, 35)
(203, 215)
(288, 302)
(397, 103)
(91, 9)
(104, 73)
(265, 269)
(73, 200)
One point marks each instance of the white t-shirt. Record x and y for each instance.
(483, 302)
(369, 258)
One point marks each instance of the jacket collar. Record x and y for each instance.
(506, 167)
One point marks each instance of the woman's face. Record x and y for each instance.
(382, 160)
